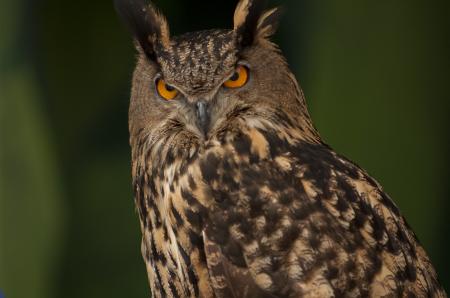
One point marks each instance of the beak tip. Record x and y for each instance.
(202, 116)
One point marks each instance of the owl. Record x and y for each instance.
(236, 192)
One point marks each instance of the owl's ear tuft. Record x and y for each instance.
(252, 23)
(147, 25)
(268, 23)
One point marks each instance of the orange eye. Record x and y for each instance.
(239, 78)
(166, 91)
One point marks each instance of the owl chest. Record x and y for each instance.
(173, 252)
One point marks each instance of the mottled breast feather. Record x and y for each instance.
(261, 212)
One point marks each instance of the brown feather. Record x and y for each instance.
(255, 204)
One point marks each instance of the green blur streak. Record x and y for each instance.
(30, 194)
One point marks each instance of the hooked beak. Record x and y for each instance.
(203, 119)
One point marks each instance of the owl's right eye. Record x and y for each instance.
(166, 91)
(238, 79)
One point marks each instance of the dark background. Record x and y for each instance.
(375, 74)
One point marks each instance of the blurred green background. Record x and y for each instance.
(376, 77)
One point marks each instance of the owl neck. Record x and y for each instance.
(171, 200)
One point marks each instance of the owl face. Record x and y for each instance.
(196, 85)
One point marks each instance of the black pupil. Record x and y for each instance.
(235, 77)
(169, 88)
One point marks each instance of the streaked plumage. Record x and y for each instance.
(248, 201)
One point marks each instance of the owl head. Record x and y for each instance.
(193, 87)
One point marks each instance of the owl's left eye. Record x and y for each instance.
(165, 90)
(238, 79)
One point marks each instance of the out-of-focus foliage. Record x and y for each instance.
(31, 217)
(375, 74)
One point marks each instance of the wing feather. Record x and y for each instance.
(306, 222)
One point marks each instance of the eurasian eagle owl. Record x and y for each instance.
(237, 194)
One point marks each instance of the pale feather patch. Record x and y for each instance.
(203, 275)
(260, 146)
(383, 283)
(263, 280)
(241, 12)
(264, 32)
(284, 163)
(175, 250)
(309, 188)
